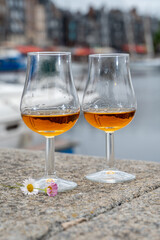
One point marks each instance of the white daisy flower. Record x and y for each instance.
(29, 187)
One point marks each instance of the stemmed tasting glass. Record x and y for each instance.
(50, 105)
(109, 104)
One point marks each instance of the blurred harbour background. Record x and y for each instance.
(83, 27)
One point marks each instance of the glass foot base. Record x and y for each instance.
(63, 185)
(110, 176)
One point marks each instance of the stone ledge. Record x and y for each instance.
(92, 210)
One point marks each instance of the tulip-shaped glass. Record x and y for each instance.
(50, 105)
(109, 104)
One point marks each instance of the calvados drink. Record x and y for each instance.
(52, 124)
(109, 121)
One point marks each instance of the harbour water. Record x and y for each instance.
(139, 140)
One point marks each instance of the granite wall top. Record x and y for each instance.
(91, 211)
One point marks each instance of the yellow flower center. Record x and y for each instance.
(30, 187)
(49, 180)
(110, 172)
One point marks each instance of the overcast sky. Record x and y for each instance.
(144, 6)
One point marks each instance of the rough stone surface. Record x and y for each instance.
(91, 211)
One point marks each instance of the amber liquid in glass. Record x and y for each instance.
(109, 121)
(50, 125)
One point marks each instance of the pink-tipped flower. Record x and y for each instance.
(52, 189)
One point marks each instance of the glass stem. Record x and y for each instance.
(110, 149)
(50, 150)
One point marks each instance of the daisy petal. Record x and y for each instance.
(29, 187)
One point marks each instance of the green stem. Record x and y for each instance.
(20, 184)
(40, 189)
